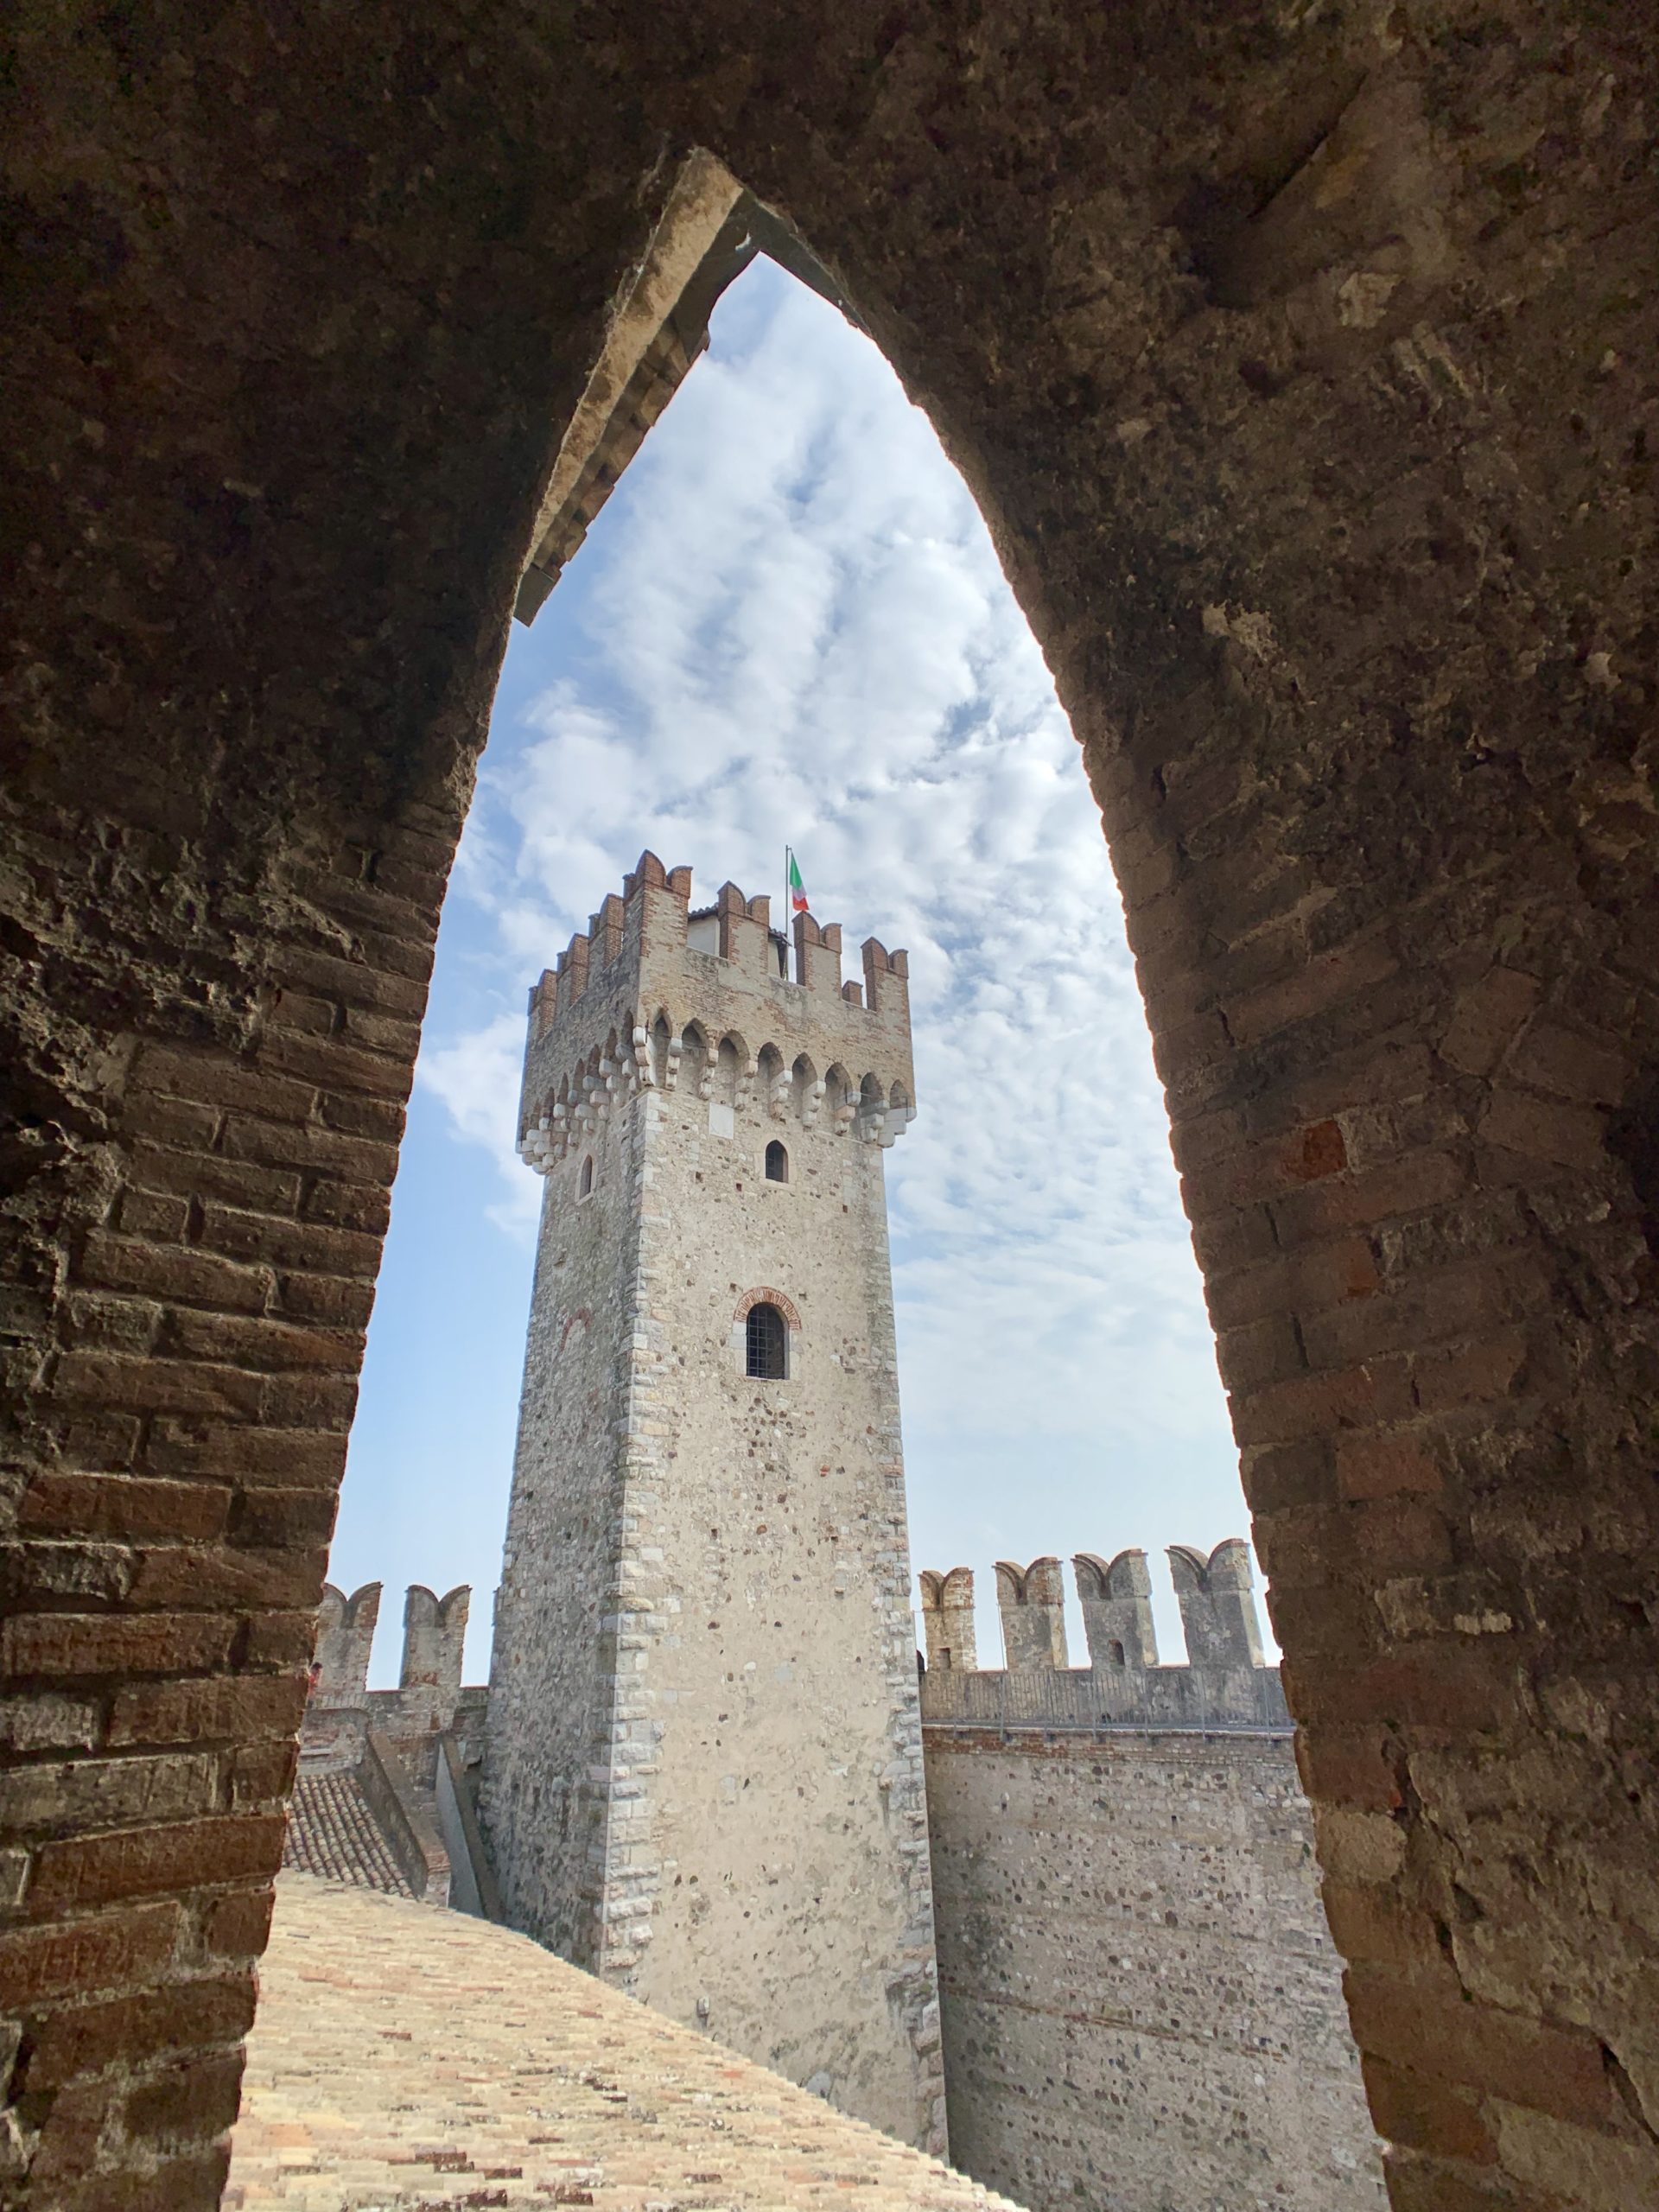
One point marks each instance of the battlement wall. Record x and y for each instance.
(1226, 1684)
(1169, 1875)
(1137, 1831)
(651, 996)
(429, 1701)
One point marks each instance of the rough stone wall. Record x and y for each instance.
(703, 1766)
(1302, 360)
(1142, 2004)
(551, 1767)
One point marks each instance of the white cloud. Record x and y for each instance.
(476, 1076)
(797, 630)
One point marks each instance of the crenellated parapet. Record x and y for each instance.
(659, 996)
(1225, 1683)
(435, 1635)
(1031, 1601)
(429, 1702)
(345, 1630)
(947, 1619)
(1116, 1596)
(1217, 1605)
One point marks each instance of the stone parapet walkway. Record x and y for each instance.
(411, 2060)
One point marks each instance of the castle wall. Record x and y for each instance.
(1143, 2005)
(703, 1770)
(551, 1785)
(1301, 359)
(341, 1710)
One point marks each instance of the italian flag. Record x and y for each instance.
(797, 889)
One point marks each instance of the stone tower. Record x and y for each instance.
(703, 1777)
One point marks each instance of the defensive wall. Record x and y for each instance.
(1141, 2006)
(1141, 2003)
(385, 1796)
(429, 1700)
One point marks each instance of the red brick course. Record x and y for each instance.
(212, 1709)
(86, 2039)
(106, 1951)
(144, 1862)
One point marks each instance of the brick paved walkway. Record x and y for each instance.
(407, 2059)
(332, 1832)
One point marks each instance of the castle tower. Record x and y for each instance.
(704, 1772)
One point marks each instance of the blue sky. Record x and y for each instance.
(788, 624)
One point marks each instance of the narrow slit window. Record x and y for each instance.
(586, 1184)
(766, 1342)
(776, 1163)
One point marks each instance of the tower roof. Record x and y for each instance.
(650, 971)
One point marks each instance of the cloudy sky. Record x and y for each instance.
(788, 625)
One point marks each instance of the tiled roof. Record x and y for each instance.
(332, 1832)
(405, 2059)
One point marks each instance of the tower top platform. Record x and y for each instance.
(651, 978)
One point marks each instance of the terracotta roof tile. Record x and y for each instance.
(332, 1832)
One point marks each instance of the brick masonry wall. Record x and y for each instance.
(221, 1227)
(1142, 2004)
(1301, 361)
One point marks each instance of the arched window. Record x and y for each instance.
(586, 1182)
(766, 1345)
(776, 1163)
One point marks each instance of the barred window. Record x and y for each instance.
(767, 1342)
(776, 1163)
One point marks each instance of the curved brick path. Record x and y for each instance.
(405, 2057)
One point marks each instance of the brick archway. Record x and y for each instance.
(1297, 366)
(765, 1296)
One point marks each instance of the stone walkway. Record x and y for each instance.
(407, 2059)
